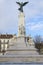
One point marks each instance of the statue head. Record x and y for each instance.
(21, 2)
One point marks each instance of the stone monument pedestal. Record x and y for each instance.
(21, 47)
(19, 52)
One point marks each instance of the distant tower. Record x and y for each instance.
(21, 24)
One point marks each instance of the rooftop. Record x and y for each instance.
(6, 36)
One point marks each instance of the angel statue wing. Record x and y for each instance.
(25, 3)
(18, 3)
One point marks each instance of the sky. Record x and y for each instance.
(33, 17)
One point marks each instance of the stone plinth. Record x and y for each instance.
(21, 47)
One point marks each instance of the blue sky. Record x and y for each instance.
(33, 17)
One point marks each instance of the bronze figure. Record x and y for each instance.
(21, 5)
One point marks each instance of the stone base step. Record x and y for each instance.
(21, 59)
(22, 51)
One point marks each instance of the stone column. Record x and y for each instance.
(21, 24)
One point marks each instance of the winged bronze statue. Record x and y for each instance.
(21, 5)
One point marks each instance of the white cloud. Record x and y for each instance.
(35, 26)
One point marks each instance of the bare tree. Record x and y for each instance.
(38, 43)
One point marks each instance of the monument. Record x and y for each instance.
(21, 47)
(21, 24)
